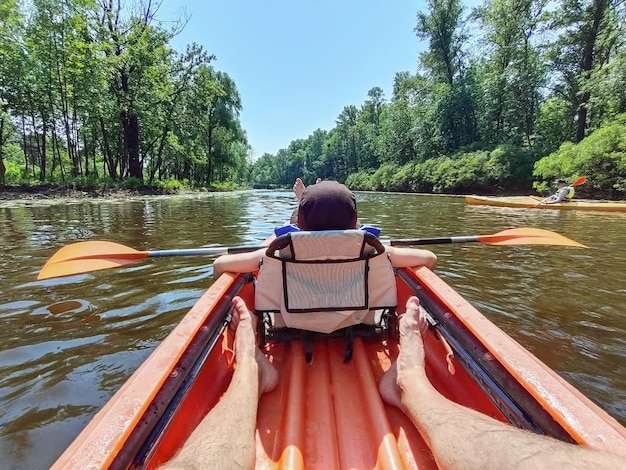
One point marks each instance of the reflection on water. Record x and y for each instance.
(68, 344)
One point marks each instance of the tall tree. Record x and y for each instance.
(512, 72)
(212, 109)
(444, 64)
(442, 28)
(347, 136)
(10, 70)
(587, 37)
(130, 44)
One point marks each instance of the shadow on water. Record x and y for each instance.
(68, 344)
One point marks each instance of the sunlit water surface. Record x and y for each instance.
(66, 345)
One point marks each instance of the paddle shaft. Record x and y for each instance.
(246, 249)
(431, 241)
(222, 250)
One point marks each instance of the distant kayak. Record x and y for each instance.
(534, 202)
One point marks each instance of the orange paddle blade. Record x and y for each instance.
(89, 256)
(528, 236)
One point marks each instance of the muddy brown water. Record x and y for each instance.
(67, 344)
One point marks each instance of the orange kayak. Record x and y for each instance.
(534, 202)
(328, 413)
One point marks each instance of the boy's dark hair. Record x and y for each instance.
(327, 205)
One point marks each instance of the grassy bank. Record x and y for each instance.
(120, 190)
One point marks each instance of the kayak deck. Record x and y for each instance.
(328, 413)
(533, 202)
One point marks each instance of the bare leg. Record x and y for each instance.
(298, 188)
(225, 437)
(461, 438)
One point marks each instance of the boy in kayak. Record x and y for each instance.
(564, 193)
(459, 437)
(326, 205)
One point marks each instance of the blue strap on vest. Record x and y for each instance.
(283, 229)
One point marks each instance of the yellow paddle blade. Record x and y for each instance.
(528, 236)
(89, 256)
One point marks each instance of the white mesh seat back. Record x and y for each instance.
(325, 286)
(331, 244)
(324, 281)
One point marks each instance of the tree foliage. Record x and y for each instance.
(92, 89)
(602, 154)
(496, 90)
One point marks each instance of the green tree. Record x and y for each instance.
(512, 72)
(442, 27)
(588, 33)
(452, 108)
(212, 109)
(10, 71)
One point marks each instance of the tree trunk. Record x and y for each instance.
(56, 154)
(130, 124)
(108, 155)
(24, 146)
(86, 148)
(599, 10)
(581, 119)
(159, 159)
(3, 169)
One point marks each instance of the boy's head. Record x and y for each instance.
(327, 205)
(561, 183)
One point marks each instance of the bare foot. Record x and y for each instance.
(245, 345)
(410, 365)
(318, 180)
(388, 387)
(298, 188)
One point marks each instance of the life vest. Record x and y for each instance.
(325, 280)
(570, 193)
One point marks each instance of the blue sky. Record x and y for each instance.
(297, 63)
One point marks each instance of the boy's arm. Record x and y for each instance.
(411, 257)
(239, 263)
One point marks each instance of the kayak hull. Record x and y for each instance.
(327, 413)
(534, 202)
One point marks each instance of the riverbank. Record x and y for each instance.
(52, 191)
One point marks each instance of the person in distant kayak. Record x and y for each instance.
(564, 193)
(327, 205)
(459, 437)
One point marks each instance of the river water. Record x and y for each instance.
(67, 344)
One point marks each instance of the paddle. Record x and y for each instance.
(90, 256)
(578, 182)
(84, 257)
(514, 236)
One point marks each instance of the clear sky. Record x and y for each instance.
(297, 63)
